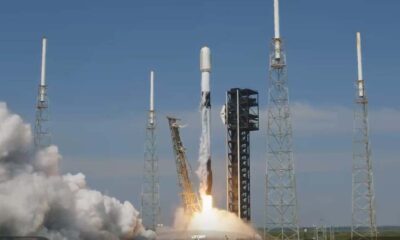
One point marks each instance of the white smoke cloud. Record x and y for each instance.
(36, 200)
(203, 150)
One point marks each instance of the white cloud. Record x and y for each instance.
(310, 120)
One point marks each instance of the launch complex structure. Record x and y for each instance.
(189, 197)
(241, 116)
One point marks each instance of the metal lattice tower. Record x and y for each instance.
(151, 211)
(241, 117)
(281, 220)
(363, 197)
(190, 200)
(42, 136)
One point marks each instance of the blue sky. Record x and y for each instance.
(100, 54)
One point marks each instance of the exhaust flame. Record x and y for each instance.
(206, 203)
(217, 220)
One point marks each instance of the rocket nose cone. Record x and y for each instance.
(205, 59)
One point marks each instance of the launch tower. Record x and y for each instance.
(363, 204)
(151, 188)
(281, 202)
(42, 137)
(241, 117)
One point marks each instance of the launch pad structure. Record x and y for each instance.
(241, 117)
(190, 199)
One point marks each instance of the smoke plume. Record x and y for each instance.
(203, 150)
(36, 200)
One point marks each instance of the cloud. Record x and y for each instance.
(36, 200)
(310, 120)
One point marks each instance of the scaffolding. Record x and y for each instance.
(242, 117)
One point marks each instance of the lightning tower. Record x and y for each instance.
(363, 197)
(151, 188)
(42, 134)
(281, 202)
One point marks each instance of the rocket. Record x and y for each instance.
(205, 68)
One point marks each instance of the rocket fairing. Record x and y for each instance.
(205, 68)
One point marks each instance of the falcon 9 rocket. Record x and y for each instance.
(205, 68)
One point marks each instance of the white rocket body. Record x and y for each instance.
(205, 68)
(43, 72)
(360, 81)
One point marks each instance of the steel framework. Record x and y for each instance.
(190, 199)
(42, 136)
(242, 117)
(363, 196)
(281, 203)
(151, 211)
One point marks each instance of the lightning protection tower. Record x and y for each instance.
(151, 188)
(42, 134)
(281, 203)
(363, 202)
(241, 117)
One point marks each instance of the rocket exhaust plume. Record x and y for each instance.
(204, 171)
(36, 200)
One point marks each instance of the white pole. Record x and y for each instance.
(151, 97)
(277, 30)
(360, 82)
(152, 91)
(359, 57)
(43, 73)
(276, 19)
(42, 89)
